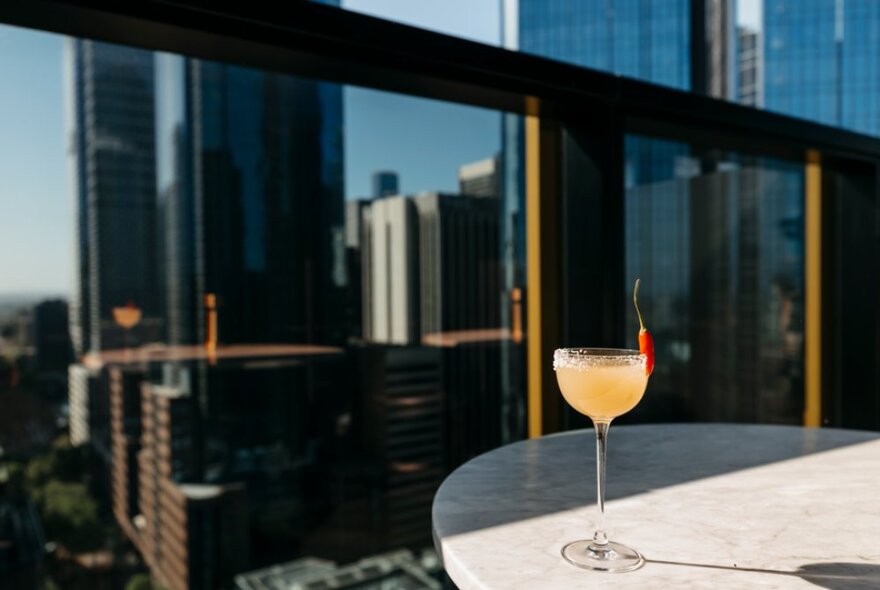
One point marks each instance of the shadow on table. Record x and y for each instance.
(537, 477)
(834, 576)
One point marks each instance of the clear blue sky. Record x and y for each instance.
(35, 207)
(425, 141)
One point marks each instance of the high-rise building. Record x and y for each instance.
(481, 178)
(431, 267)
(252, 205)
(192, 535)
(111, 153)
(404, 411)
(432, 278)
(391, 295)
(648, 40)
(89, 419)
(385, 184)
(750, 64)
(458, 263)
(820, 61)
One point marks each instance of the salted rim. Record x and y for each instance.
(583, 358)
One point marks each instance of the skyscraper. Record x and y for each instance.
(431, 267)
(111, 152)
(385, 184)
(481, 178)
(391, 272)
(821, 61)
(431, 278)
(750, 68)
(250, 187)
(648, 40)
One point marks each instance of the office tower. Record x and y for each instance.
(648, 40)
(481, 178)
(250, 187)
(720, 53)
(125, 444)
(89, 419)
(52, 345)
(355, 281)
(385, 184)
(750, 64)
(192, 535)
(207, 488)
(432, 278)
(391, 294)
(109, 107)
(432, 266)
(404, 414)
(821, 62)
(458, 263)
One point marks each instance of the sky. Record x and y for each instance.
(35, 207)
(425, 141)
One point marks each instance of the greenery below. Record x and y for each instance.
(56, 481)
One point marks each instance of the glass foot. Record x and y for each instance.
(614, 557)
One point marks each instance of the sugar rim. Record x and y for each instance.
(584, 358)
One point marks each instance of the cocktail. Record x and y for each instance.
(602, 384)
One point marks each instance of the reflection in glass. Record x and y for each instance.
(719, 239)
(260, 382)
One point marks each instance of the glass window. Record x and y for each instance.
(717, 239)
(247, 320)
(760, 53)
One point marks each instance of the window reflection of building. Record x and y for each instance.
(205, 492)
(112, 162)
(712, 242)
(250, 184)
(432, 277)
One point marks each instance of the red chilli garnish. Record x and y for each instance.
(646, 341)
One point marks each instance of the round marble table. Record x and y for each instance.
(708, 505)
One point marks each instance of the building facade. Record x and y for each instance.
(821, 60)
(111, 155)
(252, 204)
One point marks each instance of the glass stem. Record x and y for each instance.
(600, 539)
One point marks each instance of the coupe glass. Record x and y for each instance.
(602, 384)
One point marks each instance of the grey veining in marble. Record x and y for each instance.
(708, 505)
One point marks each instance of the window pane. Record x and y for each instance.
(291, 308)
(717, 239)
(814, 60)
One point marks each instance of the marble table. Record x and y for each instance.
(708, 505)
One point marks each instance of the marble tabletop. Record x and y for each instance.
(708, 505)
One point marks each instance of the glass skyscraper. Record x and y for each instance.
(821, 61)
(109, 108)
(250, 187)
(647, 40)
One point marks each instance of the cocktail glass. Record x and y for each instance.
(602, 384)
